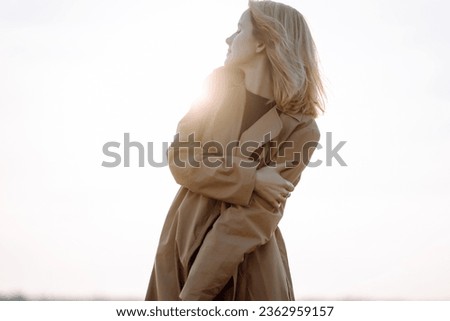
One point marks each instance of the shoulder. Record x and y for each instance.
(225, 77)
(224, 84)
(300, 124)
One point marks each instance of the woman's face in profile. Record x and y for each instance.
(242, 45)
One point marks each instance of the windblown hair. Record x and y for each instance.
(290, 48)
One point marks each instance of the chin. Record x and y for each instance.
(229, 62)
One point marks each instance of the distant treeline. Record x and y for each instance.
(20, 297)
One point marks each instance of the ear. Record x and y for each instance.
(260, 47)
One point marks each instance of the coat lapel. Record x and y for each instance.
(263, 130)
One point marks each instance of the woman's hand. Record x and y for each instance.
(271, 186)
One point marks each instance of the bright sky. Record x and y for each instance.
(77, 74)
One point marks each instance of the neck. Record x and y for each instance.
(258, 79)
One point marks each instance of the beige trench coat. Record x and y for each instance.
(220, 240)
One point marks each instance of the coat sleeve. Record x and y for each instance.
(203, 164)
(210, 174)
(241, 229)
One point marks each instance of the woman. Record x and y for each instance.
(238, 154)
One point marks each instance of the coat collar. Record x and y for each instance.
(263, 130)
(269, 127)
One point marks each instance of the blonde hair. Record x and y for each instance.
(290, 48)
